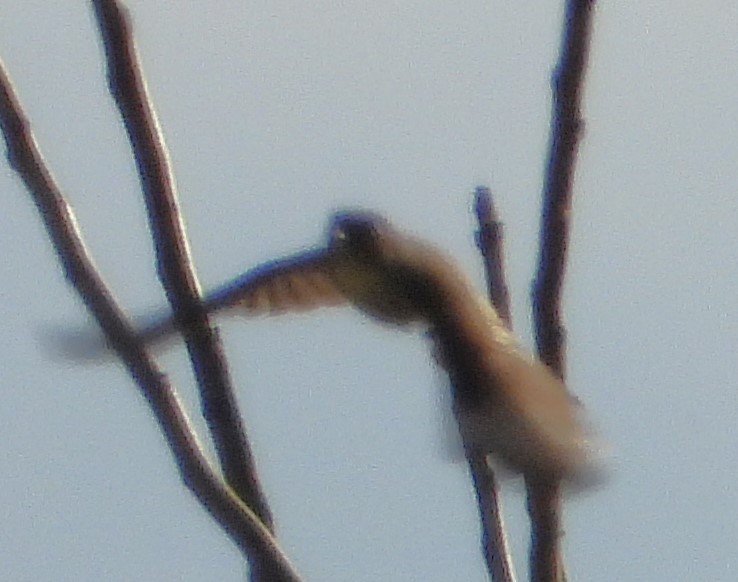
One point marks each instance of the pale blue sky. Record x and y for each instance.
(278, 112)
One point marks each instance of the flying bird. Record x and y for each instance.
(506, 402)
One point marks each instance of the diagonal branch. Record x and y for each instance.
(544, 502)
(219, 406)
(494, 539)
(235, 517)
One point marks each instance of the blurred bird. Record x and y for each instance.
(506, 402)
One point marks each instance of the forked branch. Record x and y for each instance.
(219, 406)
(236, 518)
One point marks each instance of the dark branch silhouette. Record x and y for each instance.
(235, 517)
(490, 241)
(494, 539)
(240, 506)
(544, 501)
(176, 272)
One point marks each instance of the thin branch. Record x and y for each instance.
(495, 545)
(544, 502)
(223, 504)
(494, 539)
(219, 405)
(490, 241)
(566, 130)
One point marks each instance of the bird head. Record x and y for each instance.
(364, 236)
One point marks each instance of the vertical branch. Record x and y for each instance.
(566, 130)
(494, 539)
(234, 516)
(128, 87)
(490, 241)
(544, 501)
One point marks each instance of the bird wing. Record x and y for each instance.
(297, 283)
(293, 284)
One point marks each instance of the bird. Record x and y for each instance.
(507, 404)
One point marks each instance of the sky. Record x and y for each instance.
(276, 113)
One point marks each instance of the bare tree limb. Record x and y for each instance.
(490, 241)
(224, 505)
(494, 539)
(544, 501)
(219, 405)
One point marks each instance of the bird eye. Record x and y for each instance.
(338, 235)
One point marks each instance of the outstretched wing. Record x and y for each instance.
(298, 283)
(294, 284)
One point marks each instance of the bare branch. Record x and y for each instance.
(544, 502)
(219, 405)
(566, 130)
(236, 518)
(490, 241)
(494, 539)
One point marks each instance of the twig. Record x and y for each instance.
(544, 502)
(234, 516)
(219, 405)
(490, 241)
(494, 539)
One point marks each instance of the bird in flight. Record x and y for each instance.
(506, 402)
